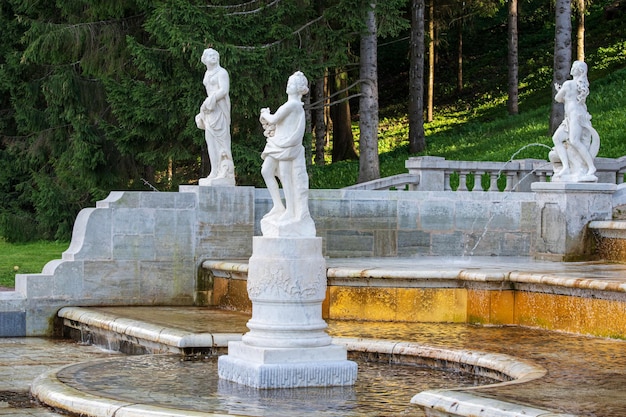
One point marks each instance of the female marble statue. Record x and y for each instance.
(284, 158)
(214, 119)
(576, 142)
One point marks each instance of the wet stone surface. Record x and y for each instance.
(25, 358)
(16, 399)
(586, 375)
(168, 381)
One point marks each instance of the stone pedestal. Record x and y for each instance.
(566, 210)
(287, 345)
(217, 182)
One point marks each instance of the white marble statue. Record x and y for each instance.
(576, 142)
(284, 159)
(287, 345)
(214, 119)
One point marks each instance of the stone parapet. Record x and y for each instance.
(357, 223)
(565, 210)
(146, 248)
(134, 248)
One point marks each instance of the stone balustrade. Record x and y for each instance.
(432, 173)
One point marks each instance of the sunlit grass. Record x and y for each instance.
(23, 258)
(485, 132)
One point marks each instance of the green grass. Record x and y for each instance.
(484, 132)
(23, 258)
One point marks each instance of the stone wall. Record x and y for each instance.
(134, 248)
(398, 223)
(146, 248)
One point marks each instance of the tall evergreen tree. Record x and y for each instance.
(581, 10)
(430, 95)
(343, 139)
(58, 109)
(368, 103)
(101, 95)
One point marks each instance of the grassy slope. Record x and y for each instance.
(460, 136)
(475, 125)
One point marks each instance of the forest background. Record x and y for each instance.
(101, 95)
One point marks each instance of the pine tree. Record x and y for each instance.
(101, 95)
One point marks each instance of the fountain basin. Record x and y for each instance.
(570, 359)
(610, 239)
(575, 297)
(59, 389)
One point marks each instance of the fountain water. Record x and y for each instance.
(521, 180)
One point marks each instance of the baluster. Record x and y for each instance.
(446, 181)
(620, 177)
(509, 181)
(493, 181)
(478, 181)
(462, 181)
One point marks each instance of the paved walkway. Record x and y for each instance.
(24, 359)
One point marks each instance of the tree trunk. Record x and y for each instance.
(308, 135)
(562, 57)
(368, 103)
(512, 102)
(319, 121)
(417, 137)
(580, 31)
(322, 111)
(459, 70)
(431, 60)
(343, 139)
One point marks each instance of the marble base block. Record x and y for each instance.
(287, 345)
(270, 368)
(216, 182)
(565, 211)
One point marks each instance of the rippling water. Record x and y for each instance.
(381, 389)
(586, 375)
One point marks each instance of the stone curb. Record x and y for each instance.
(456, 402)
(484, 274)
(462, 404)
(143, 331)
(48, 389)
(509, 369)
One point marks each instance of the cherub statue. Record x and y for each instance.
(283, 158)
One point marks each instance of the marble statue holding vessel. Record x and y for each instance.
(287, 345)
(214, 119)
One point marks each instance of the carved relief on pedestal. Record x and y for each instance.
(278, 283)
